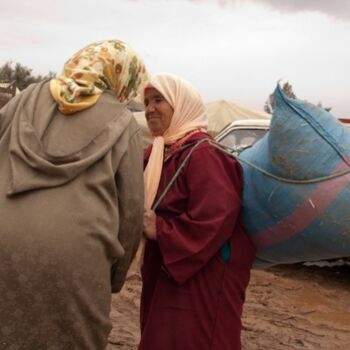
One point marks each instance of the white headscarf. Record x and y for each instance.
(189, 114)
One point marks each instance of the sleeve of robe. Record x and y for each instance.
(188, 241)
(129, 180)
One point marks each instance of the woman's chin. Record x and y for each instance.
(155, 132)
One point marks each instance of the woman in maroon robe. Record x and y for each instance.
(197, 257)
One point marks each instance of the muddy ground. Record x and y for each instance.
(287, 307)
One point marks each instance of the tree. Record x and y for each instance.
(288, 90)
(21, 74)
(270, 103)
(328, 109)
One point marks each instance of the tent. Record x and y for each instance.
(220, 113)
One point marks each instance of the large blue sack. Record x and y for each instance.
(296, 198)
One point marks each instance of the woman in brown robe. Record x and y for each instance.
(71, 199)
(197, 257)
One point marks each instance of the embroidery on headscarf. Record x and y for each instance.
(106, 65)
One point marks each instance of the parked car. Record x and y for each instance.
(241, 134)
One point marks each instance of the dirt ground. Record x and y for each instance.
(287, 307)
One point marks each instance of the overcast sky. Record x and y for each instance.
(229, 49)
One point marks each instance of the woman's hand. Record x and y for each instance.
(149, 224)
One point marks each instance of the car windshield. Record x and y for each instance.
(242, 138)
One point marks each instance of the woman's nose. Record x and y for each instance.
(150, 108)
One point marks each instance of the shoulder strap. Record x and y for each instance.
(177, 173)
(225, 250)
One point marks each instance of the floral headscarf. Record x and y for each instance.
(106, 65)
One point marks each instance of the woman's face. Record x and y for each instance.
(158, 112)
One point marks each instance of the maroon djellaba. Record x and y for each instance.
(195, 274)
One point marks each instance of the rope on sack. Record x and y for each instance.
(231, 151)
(155, 205)
(235, 154)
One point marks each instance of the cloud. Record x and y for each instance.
(234, 50)
(337, 8)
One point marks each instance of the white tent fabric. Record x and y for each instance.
(220, 113)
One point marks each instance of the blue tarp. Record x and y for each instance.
(296, 199)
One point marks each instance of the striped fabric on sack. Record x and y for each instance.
(296, 199)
